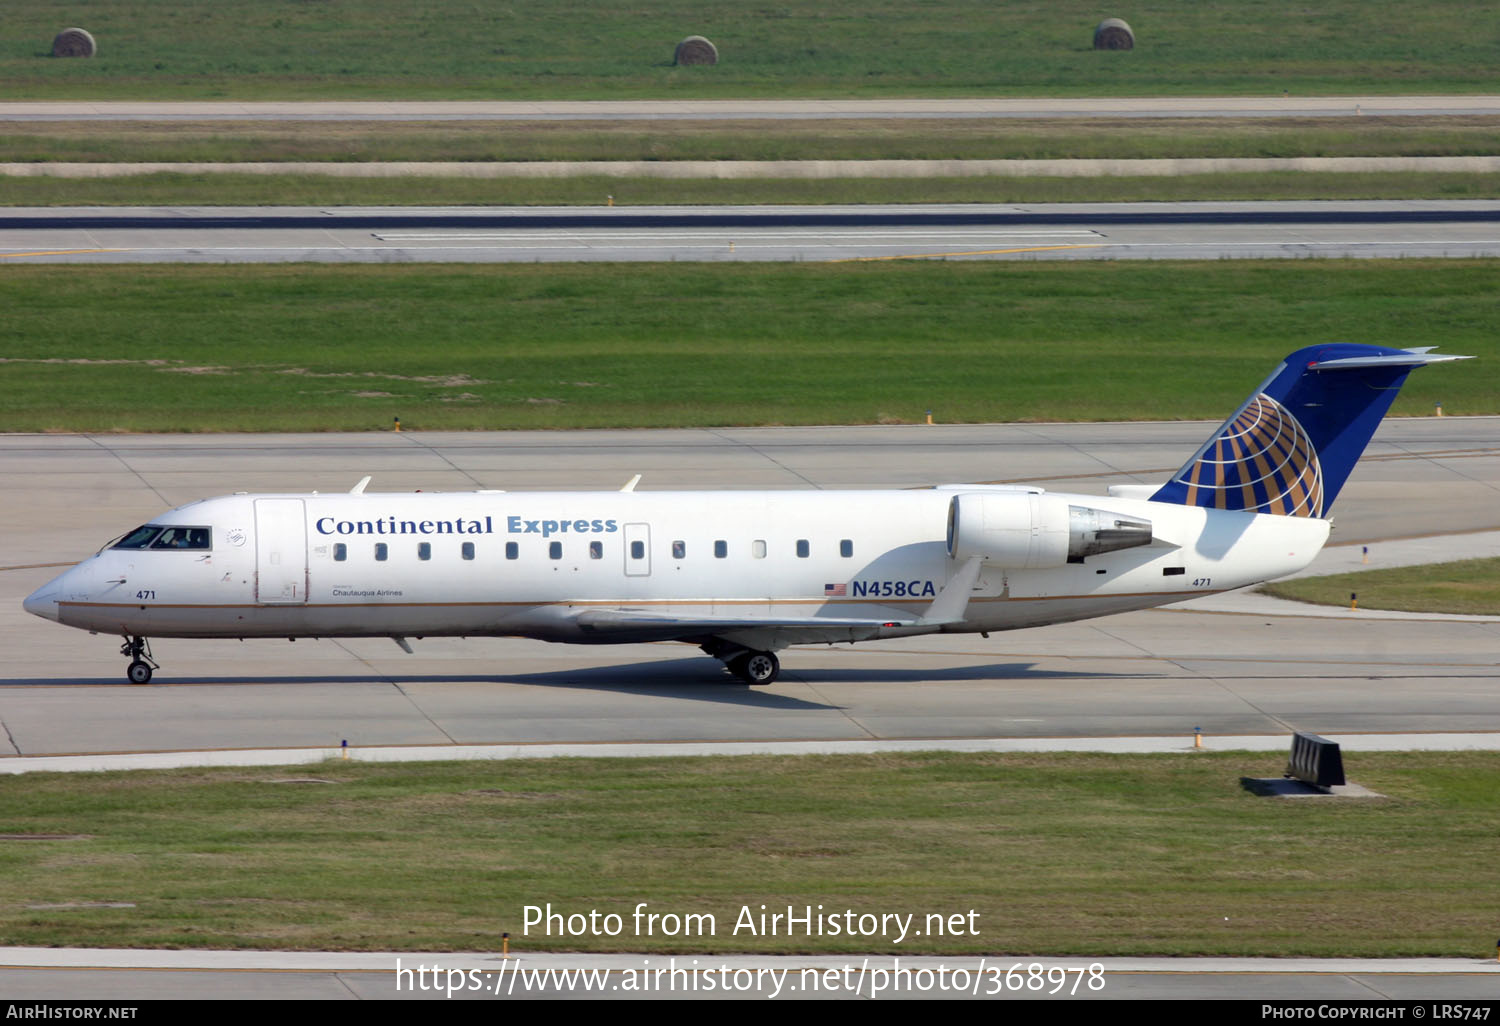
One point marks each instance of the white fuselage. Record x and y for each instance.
(386, 564)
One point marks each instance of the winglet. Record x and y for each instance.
(630, 485)
(359, 489)
(951, 602)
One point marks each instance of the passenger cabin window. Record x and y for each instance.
(340, 552)
(468, 550)
(758, 549)
(802, 548)
(424, 550)
(721, 549)
(679, 550)
(637, 550)
(555, 550)
(512, 550)
(846, 548)
(155, 536)
(381, 552)
(596, 550)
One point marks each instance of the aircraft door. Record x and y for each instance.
(280, 552)
(637, 550)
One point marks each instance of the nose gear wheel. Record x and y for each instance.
(138, 650)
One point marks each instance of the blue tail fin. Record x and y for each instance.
(1290, 447)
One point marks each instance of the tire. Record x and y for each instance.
(760, 668)
(139, 672)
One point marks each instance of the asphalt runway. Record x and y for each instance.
(1190, 231)
(1161, 672)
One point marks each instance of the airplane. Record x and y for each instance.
(745, 574)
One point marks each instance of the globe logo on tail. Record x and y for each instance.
(1261, 461)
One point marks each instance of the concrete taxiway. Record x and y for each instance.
(1159, 673)
(1098, 231)
(131, 975)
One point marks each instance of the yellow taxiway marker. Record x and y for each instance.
(61, 252)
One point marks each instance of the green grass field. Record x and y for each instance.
(172, 189)
(1469, 586)
(448, 49)
(316, 347)
(746, 139)
(1058, 854)
(462, 142)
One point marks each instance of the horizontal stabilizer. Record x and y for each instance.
(1134, 491)
(1401, 358)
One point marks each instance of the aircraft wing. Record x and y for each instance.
(616, 625)
(771, 633)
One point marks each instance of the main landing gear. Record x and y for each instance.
(758, 668)
(141, 663)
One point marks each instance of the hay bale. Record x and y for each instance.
(696, 50)
(1113, 34)
(73, 42)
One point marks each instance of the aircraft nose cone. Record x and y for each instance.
(43, 601)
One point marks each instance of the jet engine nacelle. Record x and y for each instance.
(1033, 530)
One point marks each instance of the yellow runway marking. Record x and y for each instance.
(967, 253)
(62, 252)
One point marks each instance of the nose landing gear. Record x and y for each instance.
(141, 663)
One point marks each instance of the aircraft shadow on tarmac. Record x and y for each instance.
(994, 672)
(695, 679)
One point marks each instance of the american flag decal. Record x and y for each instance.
(835, 590)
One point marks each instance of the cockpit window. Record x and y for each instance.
(155, 536)
(139, 538)
(183, 538)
